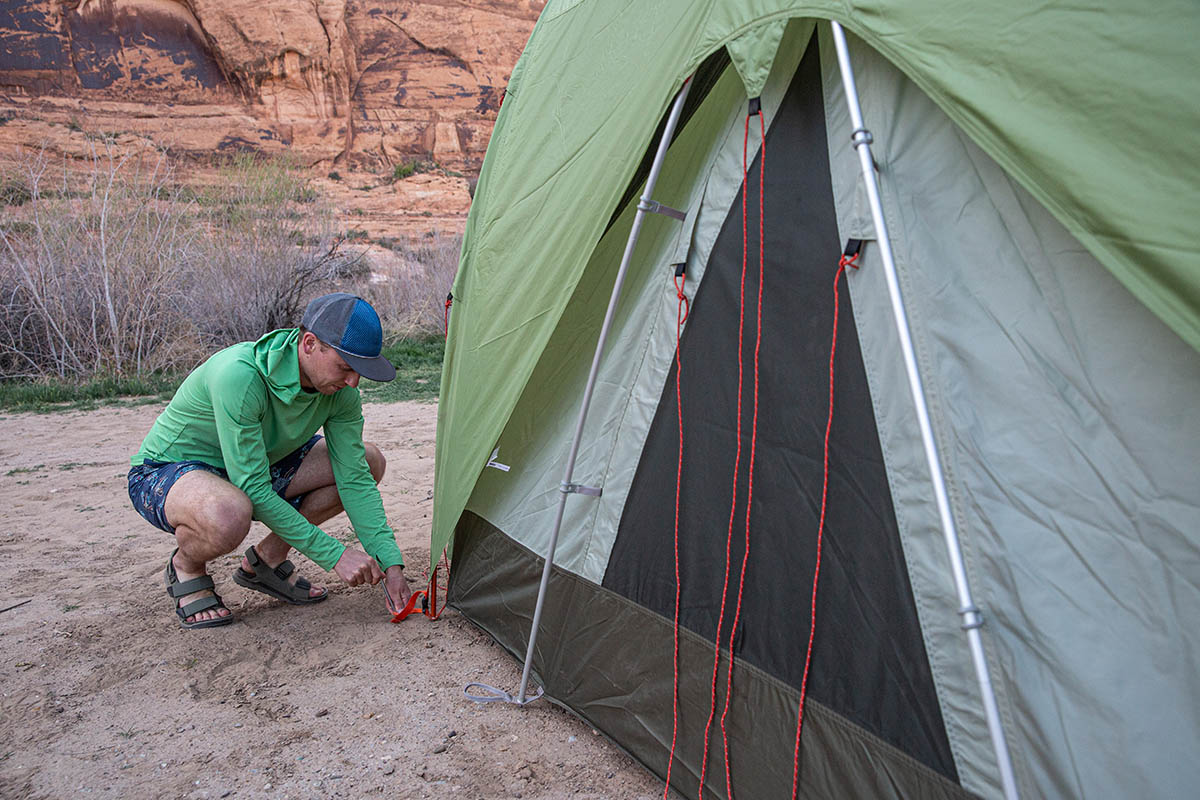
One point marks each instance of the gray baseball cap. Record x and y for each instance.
(350, 326)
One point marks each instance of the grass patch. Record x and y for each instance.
(45, 396)
(418, 371)
(70, 465)
(418, 363)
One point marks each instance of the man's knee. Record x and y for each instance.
(228, 517)
(375, 461)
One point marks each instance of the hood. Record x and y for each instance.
(276, 358)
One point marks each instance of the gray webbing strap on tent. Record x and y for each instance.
(972, 619)
(576, 488)
(567, 486)
(655, 207)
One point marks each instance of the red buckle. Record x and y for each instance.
(427, 598)
(400, 614)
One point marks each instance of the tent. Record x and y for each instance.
(1036, 172)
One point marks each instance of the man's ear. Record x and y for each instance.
(308, 342)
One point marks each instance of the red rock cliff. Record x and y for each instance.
(359, 83)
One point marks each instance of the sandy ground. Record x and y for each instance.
(103, 695)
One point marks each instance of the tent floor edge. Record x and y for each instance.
(495, 576)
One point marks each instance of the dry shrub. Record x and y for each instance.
(109, 267)
(411, 298)
(272, 247)
(86, 270)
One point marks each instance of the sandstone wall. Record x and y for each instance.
(356, 84)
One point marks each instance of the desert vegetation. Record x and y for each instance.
(115, 268)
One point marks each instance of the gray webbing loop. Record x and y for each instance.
(493, 695)
(575, 488)
(655, 207)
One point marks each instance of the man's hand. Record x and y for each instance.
(356, 567)
(397, 586)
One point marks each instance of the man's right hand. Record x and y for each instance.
(356, 567)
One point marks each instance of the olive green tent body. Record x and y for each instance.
(1093, 107)
(1037, 177)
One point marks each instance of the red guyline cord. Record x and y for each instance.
(681, 315)
(846, 261)
(753, 440)
(736, 462)
(737, 457)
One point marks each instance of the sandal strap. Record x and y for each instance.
(203, 604)
(274, 580)
(180, 588)
(252, 557)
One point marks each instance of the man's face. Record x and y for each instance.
(325, 369)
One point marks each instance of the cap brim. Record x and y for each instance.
(376, 369)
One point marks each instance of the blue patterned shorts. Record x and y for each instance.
(150, 481)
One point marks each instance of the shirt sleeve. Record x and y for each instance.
(355, 484)
(239, 406)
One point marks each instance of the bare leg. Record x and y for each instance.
(314, 477)
(211, 517)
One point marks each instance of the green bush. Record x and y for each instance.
(410, 168)
(402, 171)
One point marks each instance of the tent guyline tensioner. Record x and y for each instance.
(645, 205)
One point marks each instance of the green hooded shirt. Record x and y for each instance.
(244, 409)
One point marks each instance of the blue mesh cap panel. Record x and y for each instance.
(364, 334)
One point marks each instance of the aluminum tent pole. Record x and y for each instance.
(972, 619)
(644, 205)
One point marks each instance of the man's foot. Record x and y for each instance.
(279, 580)
(196, 600)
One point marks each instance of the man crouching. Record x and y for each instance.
(239, 442)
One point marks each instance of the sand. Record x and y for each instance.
(103, 695)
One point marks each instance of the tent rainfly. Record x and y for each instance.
(852, 430)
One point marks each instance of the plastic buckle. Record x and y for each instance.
(401, 614)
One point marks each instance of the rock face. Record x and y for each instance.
(351, 84)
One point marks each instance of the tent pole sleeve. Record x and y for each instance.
(972, 620)
(644, 206)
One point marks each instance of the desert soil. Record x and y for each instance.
(103, 695)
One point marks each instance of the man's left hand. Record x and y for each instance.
(396, 586)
